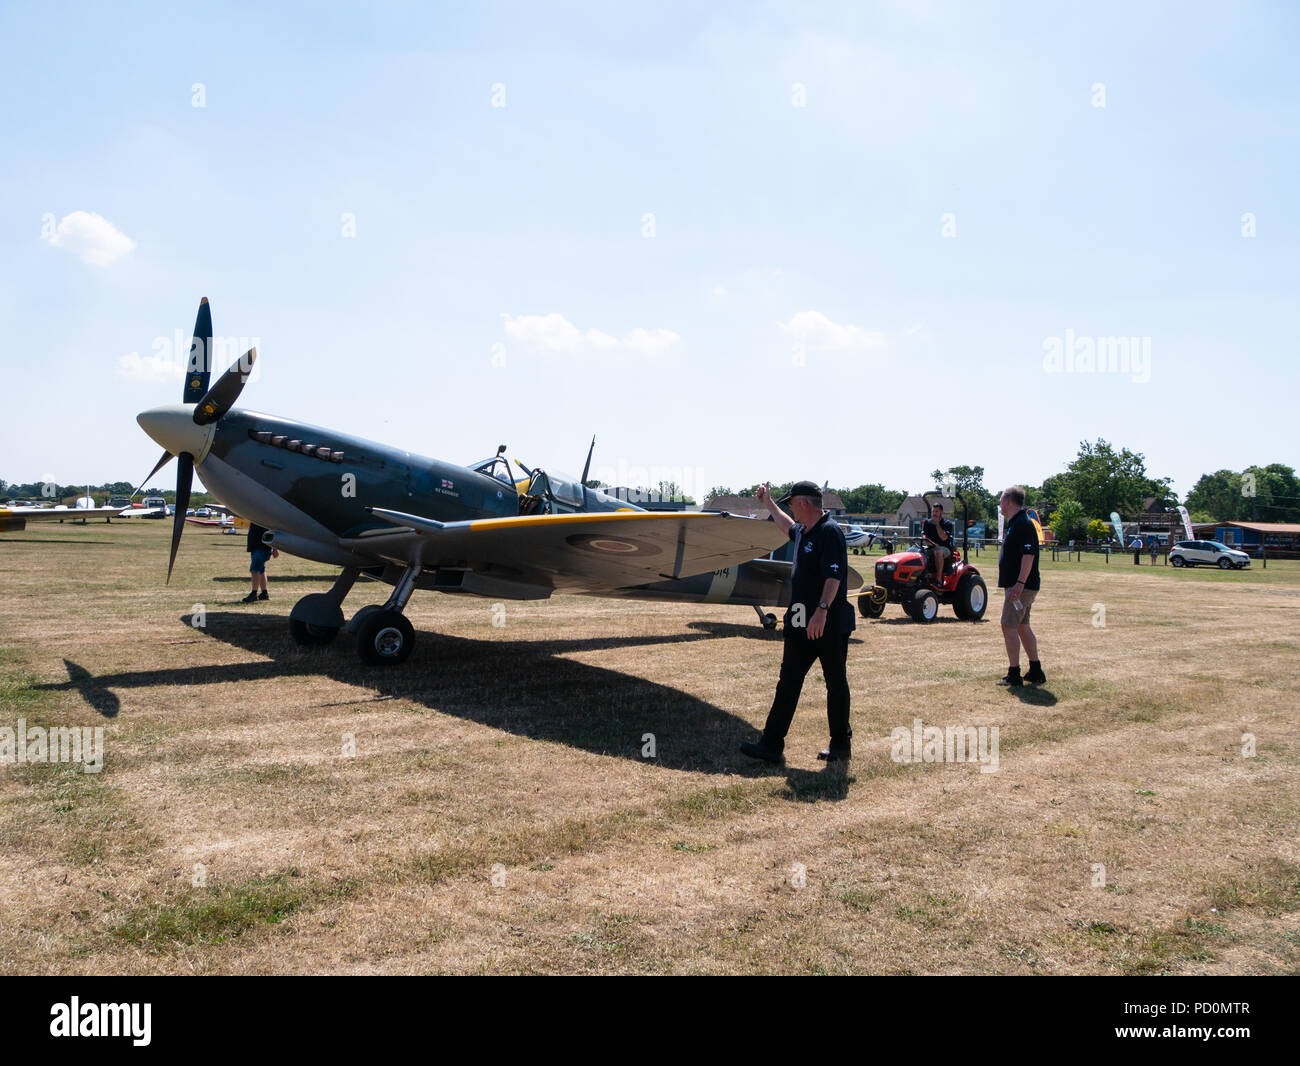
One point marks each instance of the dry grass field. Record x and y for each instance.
(498, 816)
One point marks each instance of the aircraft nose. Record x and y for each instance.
(173, 427)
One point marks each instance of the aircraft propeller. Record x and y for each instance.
(210, 405)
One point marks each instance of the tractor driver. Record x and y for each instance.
(938, 534)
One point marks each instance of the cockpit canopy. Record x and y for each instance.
(496, 467)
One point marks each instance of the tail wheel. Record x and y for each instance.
(871, 604)
(925, 606)
(309, 635)
(385, 638)
(971, 599)
(769, 621)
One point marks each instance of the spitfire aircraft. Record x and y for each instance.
(415, 522)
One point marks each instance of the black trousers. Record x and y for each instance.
(832, 649)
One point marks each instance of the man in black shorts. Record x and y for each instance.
(817, 623)
(938, 535)
(1018, 574)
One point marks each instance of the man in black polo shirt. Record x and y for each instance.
(938, 534)
(817, 623)
(1018, 574)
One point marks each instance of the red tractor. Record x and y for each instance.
(907, 578)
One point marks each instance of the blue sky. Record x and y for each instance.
(792, 309)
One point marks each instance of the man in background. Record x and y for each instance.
(938, 534)
(258, 554)
(1018, 575)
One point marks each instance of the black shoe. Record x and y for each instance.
(263, 595)
(1035, 676)
(1012, 680)
(835, 754)
(250, 598)
(760, 749)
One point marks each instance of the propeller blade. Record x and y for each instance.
(157, 466)
(222, 396)
(184, 478)
(587, 467)
(199, 369)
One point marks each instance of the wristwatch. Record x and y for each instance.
(823, 606)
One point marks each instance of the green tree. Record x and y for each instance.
(871, 499)
(1101, 480)
(670, 490)
(1068, 521)
(1217, 495)
(981, 504)
(1098, 530)
(718, 490)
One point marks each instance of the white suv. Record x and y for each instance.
(1207, 553)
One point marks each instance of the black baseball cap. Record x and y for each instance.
(802, 488)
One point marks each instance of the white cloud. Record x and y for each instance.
(651, 342)
(149, 368)
(816, 332)
(555, 333)
(90, 236)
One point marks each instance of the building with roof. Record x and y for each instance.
(1278, 539)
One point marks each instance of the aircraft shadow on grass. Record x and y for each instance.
(525, 687)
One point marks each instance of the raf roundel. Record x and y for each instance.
(608, 545)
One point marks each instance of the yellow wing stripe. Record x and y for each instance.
(597, 516)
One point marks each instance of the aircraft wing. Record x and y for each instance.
(14, 518)
(578, 552)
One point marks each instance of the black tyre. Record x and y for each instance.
(871, 604)
(1177, 560)
(310, 636)
(769, 621)
(925, 606)
(1224, 562)
(971, 599)
(385, 638)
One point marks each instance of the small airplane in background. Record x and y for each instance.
(15, 519)
(415, 522)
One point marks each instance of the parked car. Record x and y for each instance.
(1207, 553)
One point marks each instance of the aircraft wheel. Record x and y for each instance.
(308, 635)
(769, 621)
(385, 638)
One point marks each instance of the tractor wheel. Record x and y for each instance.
(925, 606)
(871, 604)
(971, 599)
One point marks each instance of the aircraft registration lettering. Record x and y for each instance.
(722, 585)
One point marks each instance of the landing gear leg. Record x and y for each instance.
(317, 618)
(385, 637)
(768, 620)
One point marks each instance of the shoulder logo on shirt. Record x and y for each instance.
(835, 566)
